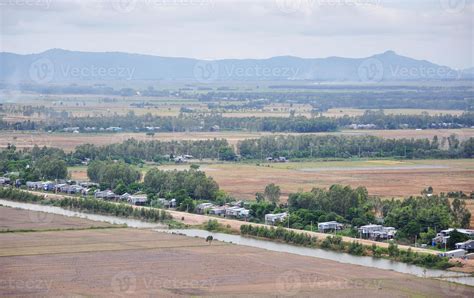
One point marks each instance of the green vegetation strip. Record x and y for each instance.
(89, 205)
(335, 243)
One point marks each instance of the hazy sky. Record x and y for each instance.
(437, 30)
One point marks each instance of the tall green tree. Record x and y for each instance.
(272, 193)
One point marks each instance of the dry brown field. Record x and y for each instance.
(385, 178)
(68, 141)
(138, 263)
(17, 219)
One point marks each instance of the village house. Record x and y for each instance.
(456, 253)
(4, 180)
(106, 194)
(218, 210)
(237, 212)
(34, 184)
(443, 236)
(466, 245)
(272, 219)
(377, 232)
(329, 226)
(167, 203)
(201, 208)
(137, 199)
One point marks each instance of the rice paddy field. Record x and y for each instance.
(135, 262)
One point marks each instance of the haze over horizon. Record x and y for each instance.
(211, 29)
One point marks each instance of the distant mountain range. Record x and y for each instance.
(62, 66)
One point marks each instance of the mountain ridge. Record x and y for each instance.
(60, 65)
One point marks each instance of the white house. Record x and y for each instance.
(237, 212)
(457, 253)
(329, 226)
(377, 232)
(272, 219)
(443, 235)
(466, 245)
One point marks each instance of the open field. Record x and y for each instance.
(143, 263)
(386, 178)
(68, 141)
(109, 105)
(17, 219)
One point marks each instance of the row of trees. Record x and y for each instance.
(184, 186)
(341, 203)
(35, 164)
(311, 146)
(112, 174)
(216, 121)
(133, 150)
(423, 216)
(324, 96)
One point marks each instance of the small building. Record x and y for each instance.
(237, 212)
(180, 159)
(48, 186)
(466, 245)
(173, 203)
(125, 197)
(457, 253)
(34, 184)
(443, 236)
(106, 195)
(138, 199)
(272, 219)
(377, 232)
(217, 211)
(201, 208)
(329, 226)
(4, 180)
